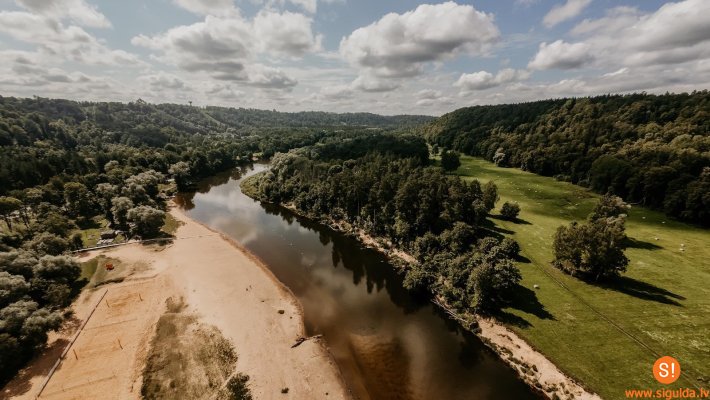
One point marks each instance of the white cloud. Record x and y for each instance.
(563, 12)
(270, 78)
(674, 34)
(285, 33)
(77, 10)
(54, 39)
(561, 55)
(429, 94)
(428, 98)
(370, 83)
(227, 48)
(163, 81)
(398, 45)
(214, 41)
(482, 80)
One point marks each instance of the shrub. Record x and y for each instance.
(510, 210)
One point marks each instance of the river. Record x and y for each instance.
(387, 342)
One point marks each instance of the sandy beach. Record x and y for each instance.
(222, 284)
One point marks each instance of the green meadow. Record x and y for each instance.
(607, 336)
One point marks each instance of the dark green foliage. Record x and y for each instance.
(181, 173)
(9, 205)
(32, 289)
(420, 209)
(65, 163)
(490, 196)
(145, 221)
(647, 149)
(510, 210)
(76, 242)
(119, 211)
(48, 243)
(450, 160)
(50, 220)
(594, 250)
(81, 138)
(609, 206)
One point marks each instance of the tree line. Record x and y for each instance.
(391, 192)
(64, 165)
(652, 150)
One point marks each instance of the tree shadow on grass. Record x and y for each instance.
(525, 300)
(640, 244)
(87, 223)
(495, 230)
(643, 290)
(516, 221)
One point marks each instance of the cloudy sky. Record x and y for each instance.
(383, 56)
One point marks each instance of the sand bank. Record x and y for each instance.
(221, 283)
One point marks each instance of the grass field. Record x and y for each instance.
(608, 337)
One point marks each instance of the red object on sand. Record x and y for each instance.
(109, 267)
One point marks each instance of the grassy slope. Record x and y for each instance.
(664, 300)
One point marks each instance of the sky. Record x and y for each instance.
(382, 56)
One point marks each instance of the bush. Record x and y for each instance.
(510, 210)
(450, 160)
(48, 243)
(237, 388)
(77, 242)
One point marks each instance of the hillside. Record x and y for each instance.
(650, 150)
(41, 138)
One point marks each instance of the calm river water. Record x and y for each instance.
(388, 343)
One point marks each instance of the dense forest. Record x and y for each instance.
(649, 149)
(66, 166)
(384, 186)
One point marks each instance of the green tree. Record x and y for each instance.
(146, 221)
(119, 209)
(48, 243)
(12, 288)
(490, 195)
(450, 160)
(490, 283)
(181, 173)
(105, 192)
(77, 199)
(510, 210)
(459, 238)
(593, 251)
(9, 205)
(53, 222)
(77, 241)
(55, 280)
(609, 206)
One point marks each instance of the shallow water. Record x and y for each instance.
(388, 343)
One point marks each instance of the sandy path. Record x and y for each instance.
(224, 285)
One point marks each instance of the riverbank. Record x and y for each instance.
(532, 366)
(223, 285)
